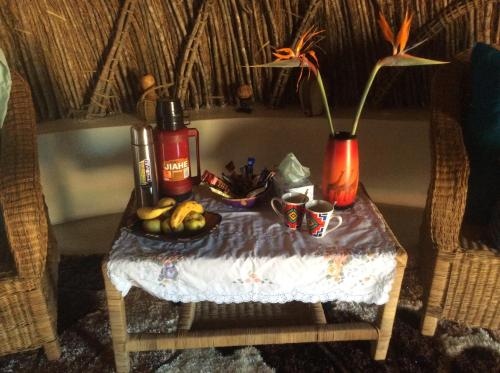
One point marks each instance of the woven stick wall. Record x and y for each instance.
(85, 56)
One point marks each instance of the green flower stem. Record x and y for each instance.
(369, 83)
(325, 101)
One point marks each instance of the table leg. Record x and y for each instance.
(118, 322)
(186, 316)
(52, 350)
(387, 314)
(429, 325)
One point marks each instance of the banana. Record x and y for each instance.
(146, 213)
(166, 202)
(182, 210)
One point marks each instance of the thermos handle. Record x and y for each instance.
(193, 132)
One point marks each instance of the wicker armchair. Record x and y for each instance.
(461, 274)
(28, 252)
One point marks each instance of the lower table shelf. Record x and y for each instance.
(208, 324)
(208, 315)
(252, 336)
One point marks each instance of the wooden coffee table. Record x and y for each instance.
(207, 324)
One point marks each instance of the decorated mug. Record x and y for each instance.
(319, 213)
(292, 208)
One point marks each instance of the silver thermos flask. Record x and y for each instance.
(145, 172)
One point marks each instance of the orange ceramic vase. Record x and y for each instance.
(341, 170)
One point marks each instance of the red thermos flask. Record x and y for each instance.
(172, 150)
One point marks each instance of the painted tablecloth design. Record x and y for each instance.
(253, 257)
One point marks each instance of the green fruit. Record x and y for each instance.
(193, 215)
(165, 226)
(152, 225)
(195, 222)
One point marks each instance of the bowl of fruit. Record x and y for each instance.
(172, 221)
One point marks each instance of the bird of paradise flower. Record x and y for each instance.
(303, 56)
(303, 52)
(399, 57)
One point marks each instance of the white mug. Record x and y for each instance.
(319, 214)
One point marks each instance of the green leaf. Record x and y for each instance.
(407, 60)
(325, 102)
(283, 64)
(361, 105)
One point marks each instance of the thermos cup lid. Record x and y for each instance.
(169, 115)
(141, 134)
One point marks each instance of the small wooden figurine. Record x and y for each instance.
(244, 96)
(146, 106)
(148, 81)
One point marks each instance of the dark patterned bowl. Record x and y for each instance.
(245, 202)
(248, 201)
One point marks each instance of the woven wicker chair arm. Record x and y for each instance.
(450, 171)
(21, 196)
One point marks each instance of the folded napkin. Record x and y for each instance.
(5, 85)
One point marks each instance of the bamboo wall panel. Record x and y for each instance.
(76, 64)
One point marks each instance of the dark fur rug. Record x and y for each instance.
(86, 342)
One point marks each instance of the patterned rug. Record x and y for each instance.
(86, 343)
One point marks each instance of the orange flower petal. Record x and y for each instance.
(313, 55)
(287, 50)
(300, 43)
(282, 56)
(306, 39)
(286, 54)
(404, 32)
(386, 29)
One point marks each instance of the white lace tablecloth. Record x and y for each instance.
(253, 257)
